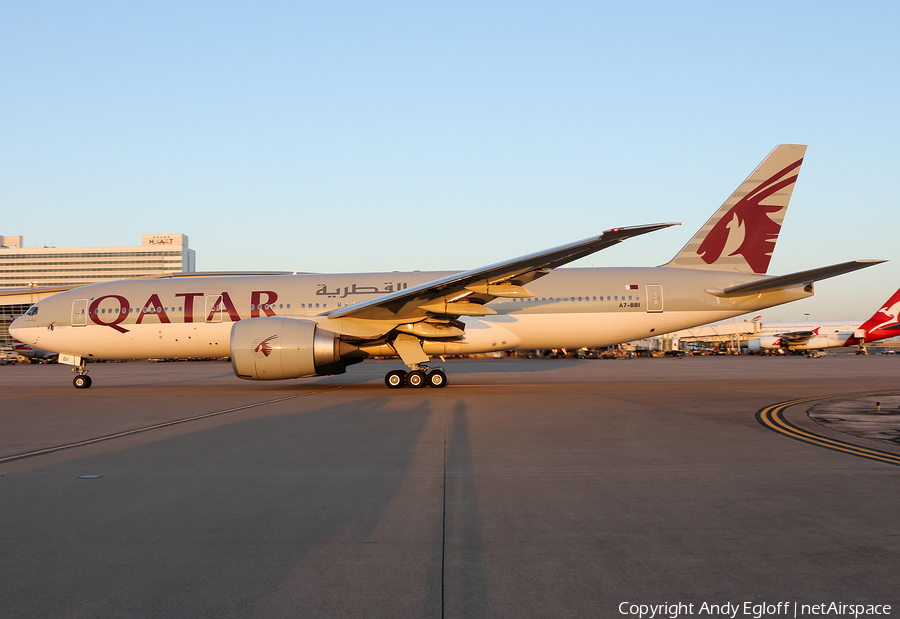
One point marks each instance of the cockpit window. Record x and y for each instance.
(32, 311)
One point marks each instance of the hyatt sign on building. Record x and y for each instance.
(67, 266)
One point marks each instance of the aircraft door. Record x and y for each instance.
(654, 298)
(79, 312)
(214, 308)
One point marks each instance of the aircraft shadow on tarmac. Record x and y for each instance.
(364, 373)
(307, 529)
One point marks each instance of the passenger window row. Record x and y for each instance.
(574, 299)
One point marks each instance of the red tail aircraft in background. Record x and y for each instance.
(884, 324)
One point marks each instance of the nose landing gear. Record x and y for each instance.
(82, 380)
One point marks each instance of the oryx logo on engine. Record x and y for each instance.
(262, 347)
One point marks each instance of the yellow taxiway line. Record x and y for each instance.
(772, 417)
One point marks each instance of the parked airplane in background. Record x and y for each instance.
(884, 324)
(32, 353)
(292, 326)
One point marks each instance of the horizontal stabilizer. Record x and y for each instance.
(782, 282)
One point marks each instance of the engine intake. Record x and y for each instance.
(276, 347)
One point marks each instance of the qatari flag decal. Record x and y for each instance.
(631, 287)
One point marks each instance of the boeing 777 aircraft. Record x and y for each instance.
(884, 324)
(292, 326)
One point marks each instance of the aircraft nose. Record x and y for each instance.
(18, 331)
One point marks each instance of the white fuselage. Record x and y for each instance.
(193, 316)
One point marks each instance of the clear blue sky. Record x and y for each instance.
(407, 135)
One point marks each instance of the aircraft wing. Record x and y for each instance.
(464, 294)
(781, 282)
(796, 338)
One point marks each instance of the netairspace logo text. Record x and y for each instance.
(752, 609)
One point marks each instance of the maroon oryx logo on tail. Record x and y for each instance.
(747, 226)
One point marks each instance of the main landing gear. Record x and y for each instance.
(82, 380)
(417, 378)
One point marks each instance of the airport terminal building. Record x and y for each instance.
(72, 266)
(29, 274)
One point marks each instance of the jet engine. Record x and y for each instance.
(822, 341)
(764, 343)
(275, 347)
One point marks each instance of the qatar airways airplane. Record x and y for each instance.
(300, 325)
(789, 336)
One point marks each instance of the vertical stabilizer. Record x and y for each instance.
(885, 323)
(741, 235)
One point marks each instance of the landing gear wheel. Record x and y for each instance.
(82, 381)
(416, 379)
(437, 379)
(395, 379)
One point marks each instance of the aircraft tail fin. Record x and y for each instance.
(741, 235)
(885, 322)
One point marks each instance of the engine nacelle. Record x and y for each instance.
(822, 341)
(275, 347)
(764, 343)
